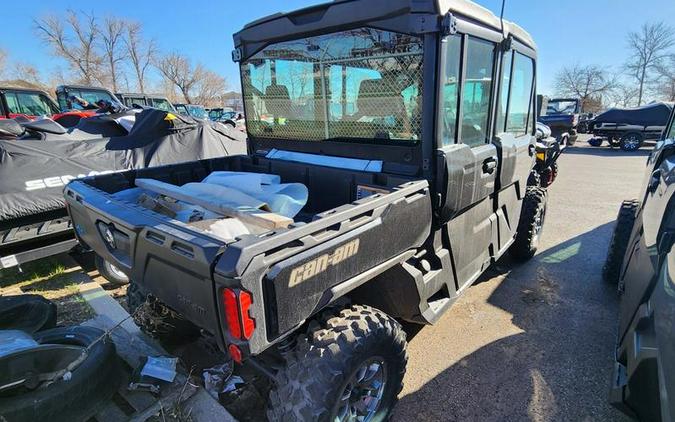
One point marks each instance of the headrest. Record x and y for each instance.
(277, 100)
(377, 99)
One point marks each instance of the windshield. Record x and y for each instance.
(362, 84)
(162, 104)
(197, 112)
(561, 107)
(29, 103)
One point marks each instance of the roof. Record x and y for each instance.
(481, 14)
(464, 8)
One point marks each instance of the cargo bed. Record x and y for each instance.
(336, 241)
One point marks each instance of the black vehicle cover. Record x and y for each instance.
(656, 114)
(34, 172)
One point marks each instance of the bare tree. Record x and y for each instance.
(178, 69)
(3, 62)
(112, 39)
(210, 89)
(141, 52)
(28, 73)
(624, 95)
(649, 48)
(584, 82)
(664, 84)
(77, 45)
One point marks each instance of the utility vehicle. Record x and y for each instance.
(562, 116)
(25, 102)
(641, 260)
(417, 178)
(156, 101)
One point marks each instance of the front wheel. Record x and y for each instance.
(349, 367)
(618, 245)
(595, 142)
(530, 225)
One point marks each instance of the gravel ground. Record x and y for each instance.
(534, 341)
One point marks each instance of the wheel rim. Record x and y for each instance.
(538, 225)
(362, 395)
(115, 271)
(631, 142)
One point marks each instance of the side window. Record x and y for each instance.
(504, 91)
(476, 91)
(521, 95)
(12, 103)
(450, 93)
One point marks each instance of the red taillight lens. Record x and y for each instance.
(237, 316)
(235, 353)
(247, 323)
(231, 312)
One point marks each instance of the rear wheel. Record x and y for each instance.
(611, 271)
(531, 224)
(632, 141)
(110, 272)
(348, 367)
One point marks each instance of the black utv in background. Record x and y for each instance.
(411, 124)
(641, 260)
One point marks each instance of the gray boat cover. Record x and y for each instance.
(34, 172)
(655, 114)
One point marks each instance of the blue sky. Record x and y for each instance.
(572, 31)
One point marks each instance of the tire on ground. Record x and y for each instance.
(631, 141)
(595, 142)
(323, 360)
(87, 390)
(532, 217)
(619, 241)
(29, 313)
(156, 319)
(110, 272)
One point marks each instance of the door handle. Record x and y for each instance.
(489, 165)
(654, 181)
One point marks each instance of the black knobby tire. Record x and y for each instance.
(631, 141)
(91, 384)
(157, 320)
(110, 272)
(534, 179)
(324, 359)
(595, 142)
(549, 175)
(530, 225)
(619, 242)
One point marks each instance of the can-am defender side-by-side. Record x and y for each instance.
(641, 260)
(411, 125)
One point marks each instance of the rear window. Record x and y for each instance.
(362, 84)
(29, 103)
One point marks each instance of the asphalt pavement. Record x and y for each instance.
(534, 341)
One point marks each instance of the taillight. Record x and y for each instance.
(237, 317)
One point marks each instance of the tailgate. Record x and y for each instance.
(162, 255)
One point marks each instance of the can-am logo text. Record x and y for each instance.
(56, 181)
(320, 264)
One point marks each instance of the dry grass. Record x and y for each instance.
(53, 280)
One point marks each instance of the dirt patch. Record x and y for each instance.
(545, 291)
(53, 280)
